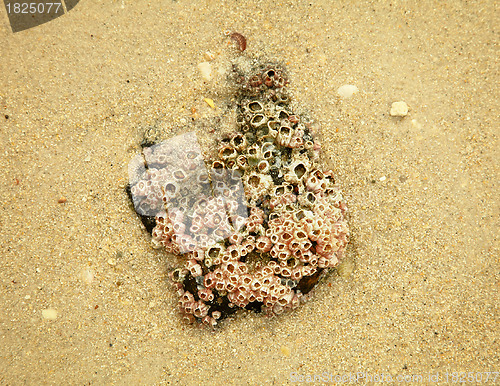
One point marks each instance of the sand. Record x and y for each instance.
(84, 299)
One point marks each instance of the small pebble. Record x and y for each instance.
(209, 56)
(62, 200)
(49, 314)
(205, 70)
(347, 90)
(285, 351)
(87, 276)
(383, 178)
(346, 267)
(210, 102)
(394, 295)
(399, 109)
(112, 262)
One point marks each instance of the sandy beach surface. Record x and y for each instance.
(84, 298)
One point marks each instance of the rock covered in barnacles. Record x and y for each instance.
(258, 223)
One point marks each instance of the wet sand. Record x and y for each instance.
(76, 96)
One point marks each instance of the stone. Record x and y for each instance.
(347, 91)
(205, 70)
(210, 102)
(49, 314)
(209, 56)
(399, 109)
(285, 351)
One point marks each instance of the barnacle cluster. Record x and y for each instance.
(259, 222)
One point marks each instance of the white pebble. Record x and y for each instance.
(346, 268)
(347, 90)
(399, 109)
(383, 178)
(206, 70)
(87, 276)
(209, 56)
(49, 314)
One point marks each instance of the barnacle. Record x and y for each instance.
(239, 39)
(261, 225)
(239, 142)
